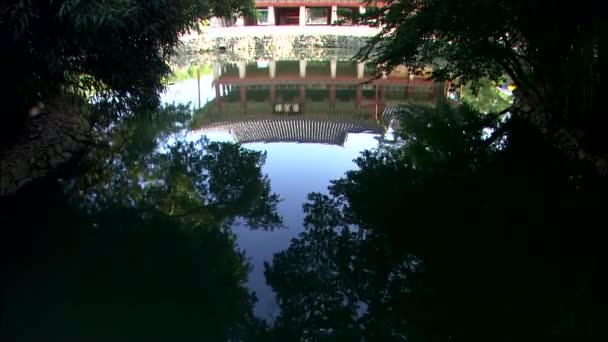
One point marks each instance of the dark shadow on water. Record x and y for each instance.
(139, 246)
(467, 227)
(449, 235)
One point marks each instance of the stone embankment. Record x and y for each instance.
(206, 48)
(49, 141)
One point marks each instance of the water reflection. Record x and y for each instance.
(165, 227)
(138, 246)
(450, 237)
(326, 86)
(300, 91)
(304, 101)
(312, 117)
(179, 220)
(124, 277)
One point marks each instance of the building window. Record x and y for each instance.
(262, 15)
(317, 16)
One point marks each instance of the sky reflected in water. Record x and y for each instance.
(330, 96)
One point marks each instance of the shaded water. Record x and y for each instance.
(312, 118)
(213, 220)
(168, 223)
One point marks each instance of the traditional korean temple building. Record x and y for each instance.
(306, 101)
(296, 13)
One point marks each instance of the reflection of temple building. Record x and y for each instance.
(315, 86)
(292, 129)
(305, 101)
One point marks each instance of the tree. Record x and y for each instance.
(551, 51)
(450, 234)
(201, 182)
(487, 98)
(124, 274)
(117, 50)
(139, 246)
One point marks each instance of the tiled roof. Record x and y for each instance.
(292, 129)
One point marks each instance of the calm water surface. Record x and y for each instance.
(160, 235)
(211, 219)
(311, 117)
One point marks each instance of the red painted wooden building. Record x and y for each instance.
(298, 12)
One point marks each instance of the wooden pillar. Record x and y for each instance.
(271, 20)
(302, 93)
(242, 69)
(218, 97)
(240, 21)
(302, 16)
(217, 71)
(359, 95)
(334, 14)
(333, 64)
(302, 68)
(272, 69)
(360, 70)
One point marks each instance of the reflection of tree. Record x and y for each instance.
(138, 248)
(454, 234)
(202, 182)
(131, 279)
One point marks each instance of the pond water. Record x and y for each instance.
(312, 118)
(236, 212)
(229, 165)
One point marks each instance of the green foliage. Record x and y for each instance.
(475, 39)
(149, 165)
(122, 274)
(189, 72)
(550, 51)
(486, 99)
(139, 246)
(450, 235)
(118, 49)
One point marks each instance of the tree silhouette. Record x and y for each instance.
(129, 278)
(139, 246)
(469, 227)
(117, 50)
(552, 53)
(202, 182)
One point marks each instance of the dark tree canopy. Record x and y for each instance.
(140, 246)
(451, 234)
(148, 163)
(549, 49)
(122, 276)
(118, 49)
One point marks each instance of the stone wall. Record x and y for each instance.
(49, 141)
(203, 49)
